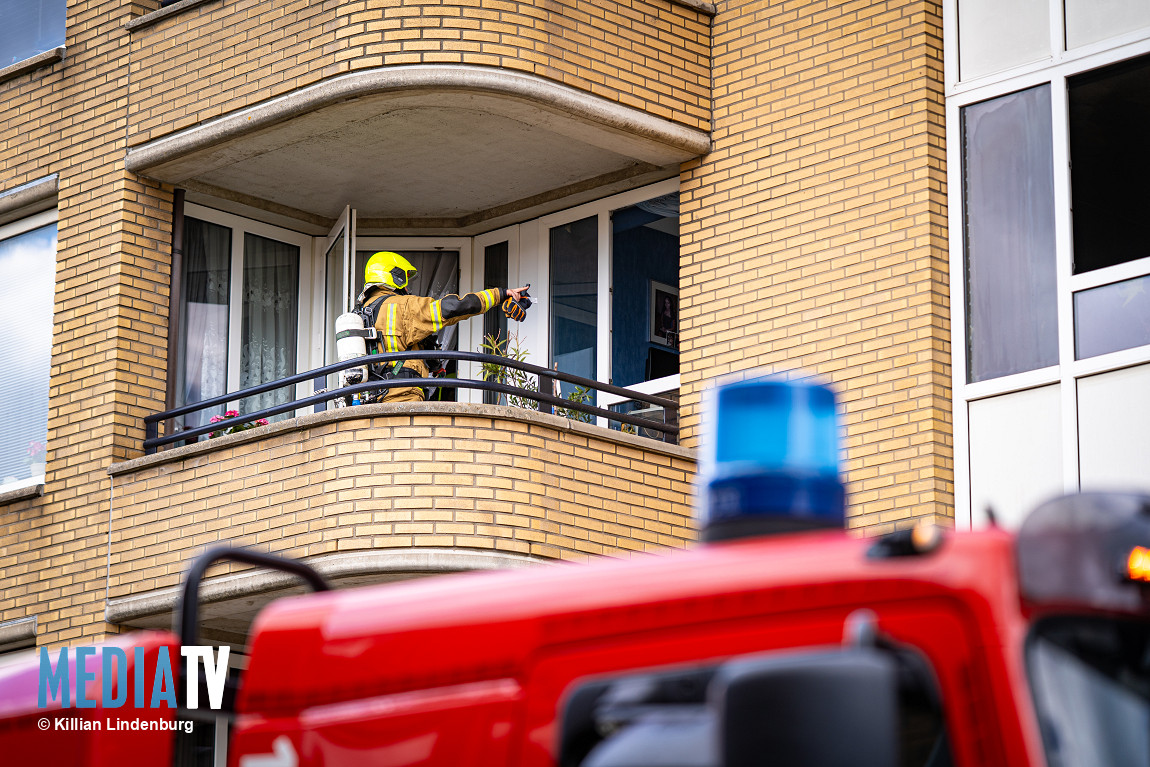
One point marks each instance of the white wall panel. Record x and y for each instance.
(1089, 21)
(1114, 429)
(999, 34)
(1015, 453)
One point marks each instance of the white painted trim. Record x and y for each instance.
(1104, 363)
(603, 327)
(1078, 61)
(957, 257)
(24, 225)
(1118, 273)
(1064, 258)
(654, 387)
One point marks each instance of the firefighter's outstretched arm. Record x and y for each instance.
(451, 309)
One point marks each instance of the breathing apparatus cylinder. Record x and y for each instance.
(349, 346)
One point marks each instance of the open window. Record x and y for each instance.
(338, 261)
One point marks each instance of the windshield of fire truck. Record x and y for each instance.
(1091, 679)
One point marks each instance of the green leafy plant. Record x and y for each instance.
(511, 348)
(581, 395)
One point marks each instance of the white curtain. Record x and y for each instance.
(202, 361)
(27, 281)
(269, 318)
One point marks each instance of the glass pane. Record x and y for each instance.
(334, 303)
(27, 283)
(1112, 318)
(1088, 21)
(1011, 314)
(574, 298)
(994, 35)
(30, 27)
(202, 356)
(494, 323)
(269, 318)
(1110, 162)
(645, 291)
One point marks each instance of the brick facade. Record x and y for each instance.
(812, 236)
(648, 55)
(400, 476)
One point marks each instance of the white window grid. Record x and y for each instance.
(1055, 71)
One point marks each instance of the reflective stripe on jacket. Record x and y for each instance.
(405, 321)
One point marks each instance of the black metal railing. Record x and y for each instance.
(545, 400)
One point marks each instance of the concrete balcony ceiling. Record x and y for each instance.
(421, 148)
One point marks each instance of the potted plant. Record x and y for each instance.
(229, 415)
(37, 458)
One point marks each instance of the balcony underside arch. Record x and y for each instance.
(420, 148)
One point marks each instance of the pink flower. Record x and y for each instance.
(217, 419)
(262, 422)
(231, 414)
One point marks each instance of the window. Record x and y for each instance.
(244, 311)
(27, 285)
(30, 27)
(1110, 162)
(1050, 257)
(1012, 317)
(574, 264)
(1091, 689)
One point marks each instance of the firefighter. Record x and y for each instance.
(408, 322)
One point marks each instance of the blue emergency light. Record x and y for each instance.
(770, 460)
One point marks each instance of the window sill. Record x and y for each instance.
(21, 494)
(703, 7)
(17, 634)
(40, 60)
(174, 9)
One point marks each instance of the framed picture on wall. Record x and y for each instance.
(664, 314)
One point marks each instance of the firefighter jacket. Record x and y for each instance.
(404, 322)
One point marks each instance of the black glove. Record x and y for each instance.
(515, 309)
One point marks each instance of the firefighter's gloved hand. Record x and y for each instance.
(512, 309)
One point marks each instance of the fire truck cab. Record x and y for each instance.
(925, 647)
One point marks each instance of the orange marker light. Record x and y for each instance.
(1138, 564)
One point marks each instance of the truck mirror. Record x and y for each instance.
(808, 710)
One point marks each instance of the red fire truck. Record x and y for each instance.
(809, 647)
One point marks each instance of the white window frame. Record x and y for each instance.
(1054, 71)
(306, 351)
(474, 327)
(541, 239)
(15, 229)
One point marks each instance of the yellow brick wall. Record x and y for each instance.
(814, 235)
(524, 485)
(220, 57)
(110, 318)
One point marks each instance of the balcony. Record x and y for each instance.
(410, 108)
(381, 492)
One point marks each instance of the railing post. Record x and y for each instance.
(151, 431)
(546, 386)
